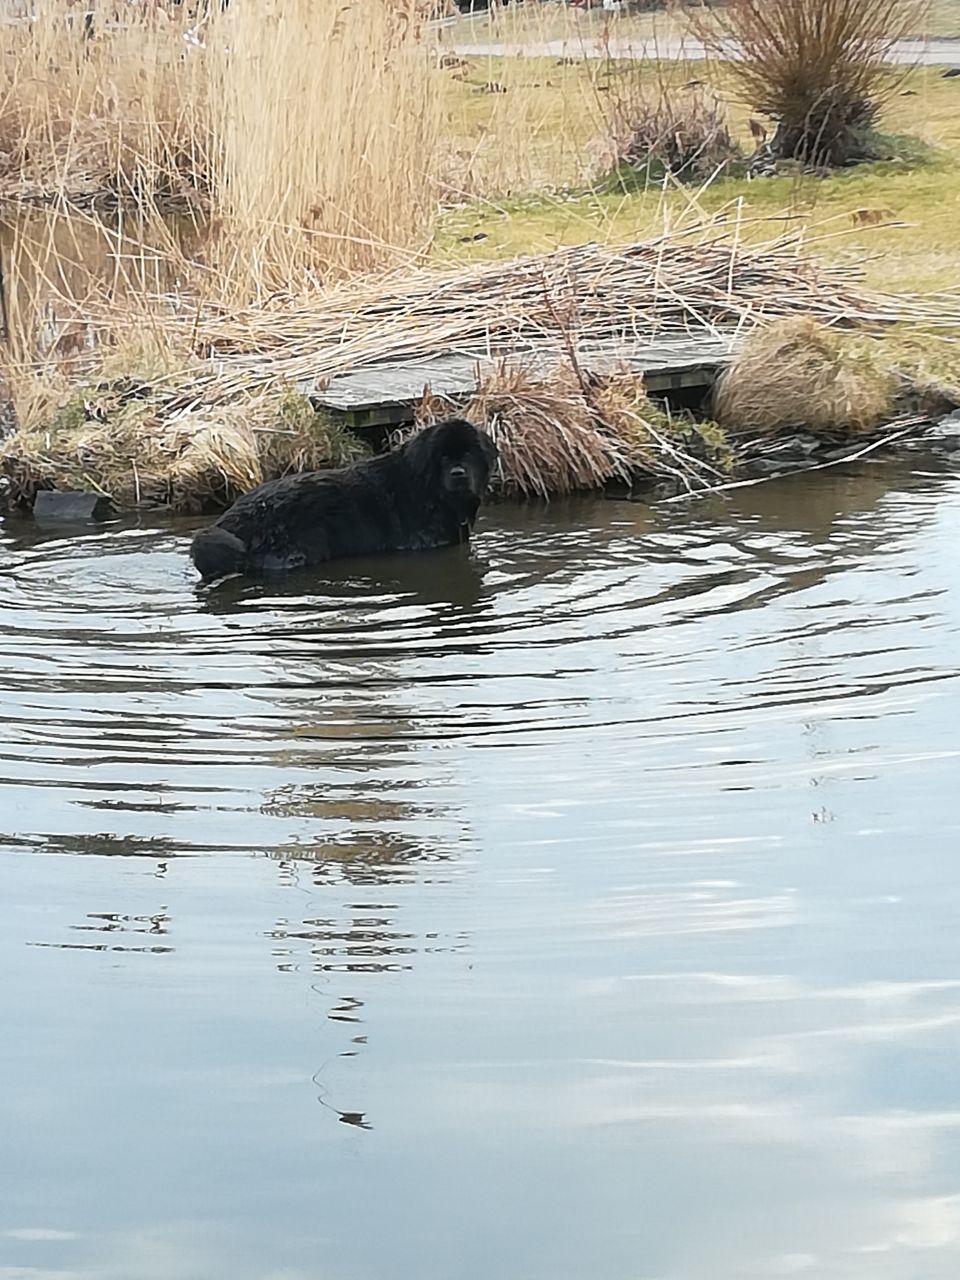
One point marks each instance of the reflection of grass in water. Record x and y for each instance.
(311, 802)
(350, 729)
(366, 856)
(368, 829)
(106, 844)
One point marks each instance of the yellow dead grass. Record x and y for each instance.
(797, 374)
(192, 461)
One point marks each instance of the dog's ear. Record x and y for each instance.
(488, 448)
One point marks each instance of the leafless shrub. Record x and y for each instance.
(815, 67)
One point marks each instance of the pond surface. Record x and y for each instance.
(584, 908)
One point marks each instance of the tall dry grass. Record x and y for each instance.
(326, 119)
(124, 111)
(305, 131)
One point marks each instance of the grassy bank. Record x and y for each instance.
(212, 409)
(900, 213)
(316, 165)
(896, 217)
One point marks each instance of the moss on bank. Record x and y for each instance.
(115, 440)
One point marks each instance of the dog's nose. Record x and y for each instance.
(458, 472)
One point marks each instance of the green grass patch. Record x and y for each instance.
(900, 213)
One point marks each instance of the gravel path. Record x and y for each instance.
(929, 53)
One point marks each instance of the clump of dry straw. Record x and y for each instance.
(194, 460)
(558, 432)
(798, 374)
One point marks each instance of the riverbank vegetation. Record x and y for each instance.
(298, 134)
(215, 211)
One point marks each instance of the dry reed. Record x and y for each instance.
(798, 374)
(305, 129)
(123, 111)
(326, 118)
(558, 432)
(695, 282)
(656, 127)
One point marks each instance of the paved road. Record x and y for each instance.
(930, 53)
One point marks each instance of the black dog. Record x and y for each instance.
(425, 494)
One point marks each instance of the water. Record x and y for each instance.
(54, 261)
(586, 908)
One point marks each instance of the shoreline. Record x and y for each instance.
(748, 462)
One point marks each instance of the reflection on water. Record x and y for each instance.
(54, 261)
(584, 905)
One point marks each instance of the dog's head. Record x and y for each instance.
(455, 457)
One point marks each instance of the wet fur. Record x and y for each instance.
(425, 494)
